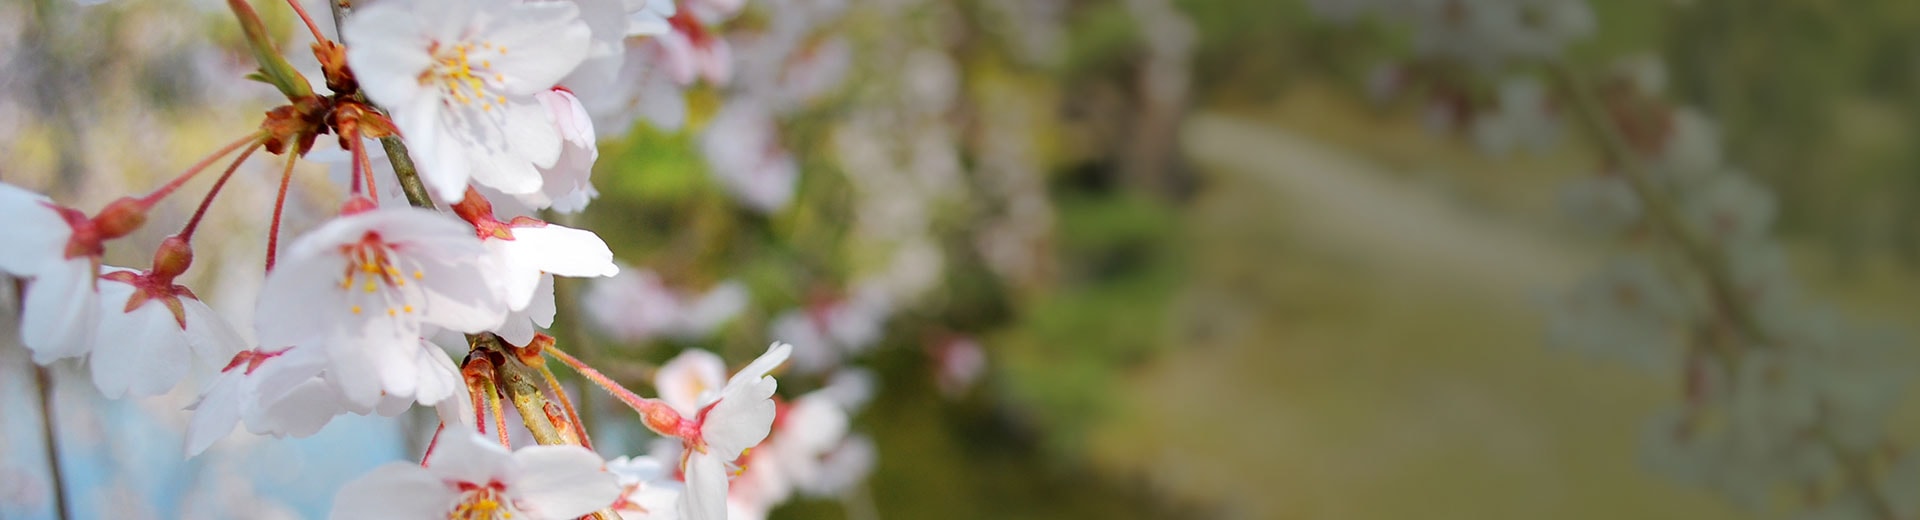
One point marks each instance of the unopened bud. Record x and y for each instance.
(121, 218)
(172, 258)
(660, 418)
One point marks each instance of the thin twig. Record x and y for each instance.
(531, 404)
(49, 432)
(403, 169)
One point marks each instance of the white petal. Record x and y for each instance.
(706, 494)
(399, 491)
(458, 298)
(300, 412)
(520, 325)
(277, 377)
(354, 369)
(516, 330)
(689, 379)
(35, 234)
(457, 413)
(541, 309)
(776, 354)
(213, 339)
(719, 305)
(215, 413)
(143, 352)
(440, 158)
(566, 251)
(814, 423)
(300, 300)
(545, 41)
(437, 375)
(61, 311)
(388, 53)
(470, 457)
(531, 129)
(740, 420)
(562, 482)
(517, 270)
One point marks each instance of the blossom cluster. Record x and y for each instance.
(485, 115)
(1458, 45)
(1780, 396)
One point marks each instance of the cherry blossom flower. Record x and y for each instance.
(57, 249)
(714, 11)
(828, 332)
(1691, 151)
(693, 51)
(254, 387)
(808, 429)
(611, 23)
(469, 477)
(743, 150)
(809, 451)
(285, 393)
(690, 380)
(958, 363)
(644, 84)
(1629, 312)
(736, 417)
(1602, 204)
(758, 485)
(647, 489)
(637, 306)
(1730, 209)
(362, 287)
(566, 186)
(151, 332)
(460, 78)
(649, 17)
(525, 254)
(842, 468)
(1523, 120)
(816, 70)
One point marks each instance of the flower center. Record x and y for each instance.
(460, 80)
(372, 277)
(481, 503)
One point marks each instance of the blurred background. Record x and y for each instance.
(1147, 258)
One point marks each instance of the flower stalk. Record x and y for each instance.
(43, 378)
(193, 223)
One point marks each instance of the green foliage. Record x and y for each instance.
(1075, 344)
